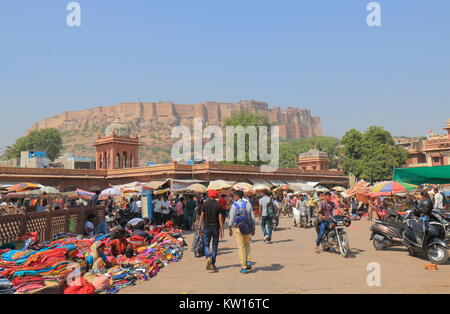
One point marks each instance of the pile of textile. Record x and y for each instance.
(62, 263)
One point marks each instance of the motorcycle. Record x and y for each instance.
(288, 211)
(427, 235)
(335, 236)
(276, 220)
(304, 218)
(388, 232)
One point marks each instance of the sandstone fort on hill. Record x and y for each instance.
(153, 123)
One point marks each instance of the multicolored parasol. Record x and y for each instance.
(391, 187)
(24, 186)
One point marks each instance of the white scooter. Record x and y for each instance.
(301, 217)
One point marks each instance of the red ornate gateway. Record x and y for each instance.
(117, 150)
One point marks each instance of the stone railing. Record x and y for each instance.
(216, 167)
(47, 224)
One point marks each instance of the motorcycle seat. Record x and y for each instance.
(394, 224)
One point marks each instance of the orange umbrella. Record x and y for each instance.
(24, 186)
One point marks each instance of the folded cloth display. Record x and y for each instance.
(6, 286)
(29, 271)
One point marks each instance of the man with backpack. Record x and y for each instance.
(242, 221)
(267, 211)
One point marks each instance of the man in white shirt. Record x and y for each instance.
(157, 209)
(139, 205)
(165, 210)
(133, 207)
(302, 206)
(89, 225)
(438, 200)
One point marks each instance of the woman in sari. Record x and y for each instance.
(97, 259)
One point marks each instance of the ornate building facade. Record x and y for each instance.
(434, 151)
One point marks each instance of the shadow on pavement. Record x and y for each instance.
(273, 267)
(355, 252)
(281, 241)
(229, 266)
(283, 229)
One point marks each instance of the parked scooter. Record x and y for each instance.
(427, 235)
(388, 232)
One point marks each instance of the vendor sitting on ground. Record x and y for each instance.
(137, 226)
(91, 230)
(119, 243)
(97, 259)
(89, 225)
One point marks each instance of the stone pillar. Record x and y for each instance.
(136, 158)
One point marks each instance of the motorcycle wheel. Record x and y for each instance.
(304, 222)
(344, 248)
(411, 252)
(379, 245)
(437, 254)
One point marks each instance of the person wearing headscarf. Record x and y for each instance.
(97, 259)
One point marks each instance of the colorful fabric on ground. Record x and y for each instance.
(28, 271)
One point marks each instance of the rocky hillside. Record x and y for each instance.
(153, 122)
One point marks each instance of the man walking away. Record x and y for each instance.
(223, 203)
(190, 209)
(211, 226)
(266, 213)
(242, 221)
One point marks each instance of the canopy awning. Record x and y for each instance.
(422, 175)
(179, 185)
(154, 184)
(276, 182)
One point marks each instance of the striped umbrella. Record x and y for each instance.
(391, 187)
(85, 194)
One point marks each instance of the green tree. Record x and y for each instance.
(372, 155)
(291, 149)
(47, 140)
(246, 119)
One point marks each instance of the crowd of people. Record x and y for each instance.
(322, 206)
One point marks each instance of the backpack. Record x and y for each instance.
(242, 221)
(270, 209)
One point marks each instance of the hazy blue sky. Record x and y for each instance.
(317, 54)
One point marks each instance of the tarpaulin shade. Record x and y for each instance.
(422, 175)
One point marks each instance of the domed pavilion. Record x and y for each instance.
(118, 149)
